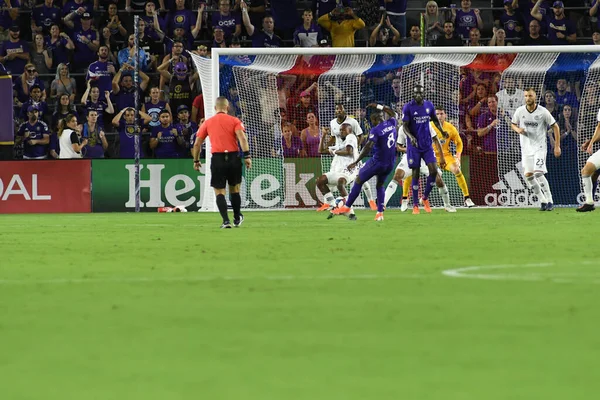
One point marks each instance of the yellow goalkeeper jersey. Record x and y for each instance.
(453, 137)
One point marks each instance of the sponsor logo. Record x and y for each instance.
(513, 191)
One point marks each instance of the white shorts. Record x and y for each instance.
(595, 159)
(403, 165)
(334, 176)
(534, 162)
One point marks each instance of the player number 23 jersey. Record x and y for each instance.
(536, 124)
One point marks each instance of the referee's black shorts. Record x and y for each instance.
(225, 168)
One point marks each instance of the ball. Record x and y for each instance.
(339, 202)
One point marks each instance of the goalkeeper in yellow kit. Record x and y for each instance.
(452, 162)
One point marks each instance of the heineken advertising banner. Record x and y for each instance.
(270, 183)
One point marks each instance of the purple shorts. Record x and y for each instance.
(372, 168)
(415, 156)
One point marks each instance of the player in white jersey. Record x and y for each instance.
(335, 125)
(531, 121)
(589, 173)
(404, 172)
(339, 176)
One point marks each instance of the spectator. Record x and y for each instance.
(534, 38)
(479, 102)
(551, 104)
(561, 31)
(449, 38)
(342, 23)
(174, 56)
(563, 96)
(226, 20)
(310, 136)
(181, 84)
(34, 135)
(466, 18)
(474, 38)
(113, 23)
(568, 124)
(125, 123)
(322, 7)
(256, 10)
(396, 10)
(596, 37)
(127, 55)
(96, 139)
(302, 109)
(308, 34)
(165, 139)
(181, 17)
(434, 22)
(92, 101)
(487, 125)
(63, 84)
(153, 20)
(155, 106)
(291, 144)
(27, 81)
(63, 108)
(40, 56)
(380, 37)
(510, 21)
(594, 12)
(137, 5)
(525, 7)
(102, 71)
(123, 88)
(73, 11)
(186, 130)
(86, 42)
(14, 53)
(264, 38)
(69, 138)
(219, 38)
(414, 40)
(44, 16)
(198, 109)
(60, 44)
(107, 40)
(498, 38)
(37, 100)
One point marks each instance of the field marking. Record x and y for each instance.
(555, 277)
(225, 278)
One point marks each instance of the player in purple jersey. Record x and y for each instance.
(382, 141)
(416, 117)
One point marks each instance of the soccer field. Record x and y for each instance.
(482, 304)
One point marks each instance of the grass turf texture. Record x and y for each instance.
(125, 306)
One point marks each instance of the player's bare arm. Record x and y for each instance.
(409, 135)
(557, 151)
(517, 129)
(385, 109)
(436, 123)
(241, 137)
(588, 146)
(365, 152)
(196, 153)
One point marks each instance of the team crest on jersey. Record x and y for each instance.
(410, 160)
(179, 19)
(177, 89)
(130, 129)
(468, 19)
(427, 110)
(537, 117)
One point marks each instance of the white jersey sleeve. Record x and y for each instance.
(401, 137)
(340, 163)
(598, 116)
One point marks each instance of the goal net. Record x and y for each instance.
(287, 99)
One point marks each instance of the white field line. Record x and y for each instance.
(481, 272)
(225, 278)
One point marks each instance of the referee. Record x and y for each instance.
(224, 132)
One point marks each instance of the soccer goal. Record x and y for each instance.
(287, 97)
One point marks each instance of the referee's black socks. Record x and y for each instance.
(236, 204)
(222, 206)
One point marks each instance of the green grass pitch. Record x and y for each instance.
(293, 306)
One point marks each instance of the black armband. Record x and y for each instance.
(246, 154)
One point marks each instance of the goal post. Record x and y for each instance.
(274, 91)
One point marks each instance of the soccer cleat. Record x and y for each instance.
(373, 205)
(450, 209)
(226, 225)
(238, 222)
(404, 205)
(426, 206)
(416, 210)
(544, 206)
(323, 207)
(341, 210)
(379, 216)
(331, 215)
(469, 203)
(550, 207)
(352, 217)
(586, 208)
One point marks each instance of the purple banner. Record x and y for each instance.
(7, 130)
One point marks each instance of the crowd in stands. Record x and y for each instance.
(75, 58)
